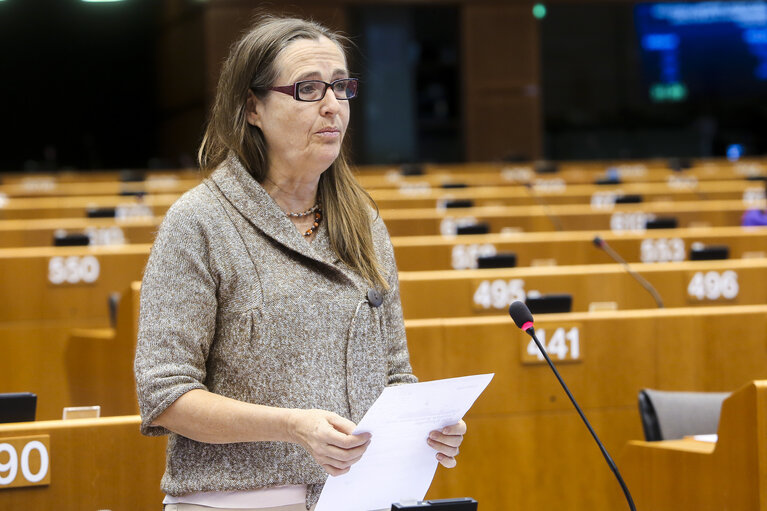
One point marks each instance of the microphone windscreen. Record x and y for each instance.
(520, 313)
(598, 242)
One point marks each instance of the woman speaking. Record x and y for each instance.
(270, 314)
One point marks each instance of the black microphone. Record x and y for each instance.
(545, 205)
(523, 318)
(600, 243)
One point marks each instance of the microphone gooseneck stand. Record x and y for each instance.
(600, 243)
(554, 219)
(523, 318)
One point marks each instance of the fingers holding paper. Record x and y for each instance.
(447, 442)
(328, 439)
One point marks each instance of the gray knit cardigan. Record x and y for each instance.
(234, 300)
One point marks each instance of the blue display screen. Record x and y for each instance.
(703, 50)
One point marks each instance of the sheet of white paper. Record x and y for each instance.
(398, 464)
(706, 438)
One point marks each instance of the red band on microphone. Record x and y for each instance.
(527, 325)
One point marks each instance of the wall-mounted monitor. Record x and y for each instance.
(699, 50)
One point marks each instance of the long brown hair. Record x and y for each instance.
(251, 66)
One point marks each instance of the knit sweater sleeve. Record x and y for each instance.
(399, 370)
(177, 315)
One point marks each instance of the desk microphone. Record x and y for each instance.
(556, 222)
(524, 320)
(600, 243)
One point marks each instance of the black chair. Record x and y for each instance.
(701, 252)
(630, 198)
(100, 212)
(546, 167)
(459, 504)
(550, 303)
(662, 222)
(18, 407)
(478, 228)
(501, 260)
(670, 415)
(459, 203)
(132, 176)
(411, 169)
(74, 239)
(679, 164)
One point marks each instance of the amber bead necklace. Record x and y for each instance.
(317, 210)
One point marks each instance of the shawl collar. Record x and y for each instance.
(250, 199)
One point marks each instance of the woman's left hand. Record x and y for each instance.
(446, 441)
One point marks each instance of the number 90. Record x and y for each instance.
(11, 467)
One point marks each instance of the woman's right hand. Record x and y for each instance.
(327, 436)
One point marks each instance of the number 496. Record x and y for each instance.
(712, 285)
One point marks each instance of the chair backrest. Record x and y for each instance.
(18, 407)
(668, 415)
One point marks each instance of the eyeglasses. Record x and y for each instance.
(314, 90)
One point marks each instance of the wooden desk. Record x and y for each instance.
(51, 187)
(437, 252)
(565, 187)
(430, 221)
(35, 330)
(77, 207)
(99, 363)
(89, 356)
(553, 191)
(526, 447)
(43, 180)
(34, 360)
(685, 474)
(65, 284)
(624, 217)
(482, 292)
(498, 174)
(101, 231)
(424, 253)
(81, 365)
(28, 273)
(36, 315)
(525, 415)
(489, 189)
(628, 170)
(94, 464)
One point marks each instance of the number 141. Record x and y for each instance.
(563, 345)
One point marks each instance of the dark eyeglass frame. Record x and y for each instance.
(292, 90)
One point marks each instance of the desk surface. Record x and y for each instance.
(685, 474)
(94, 464)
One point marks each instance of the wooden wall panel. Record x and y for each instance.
(225, 22)
(501, 103)
(181, 79)
(501, 76)
(192, 45)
